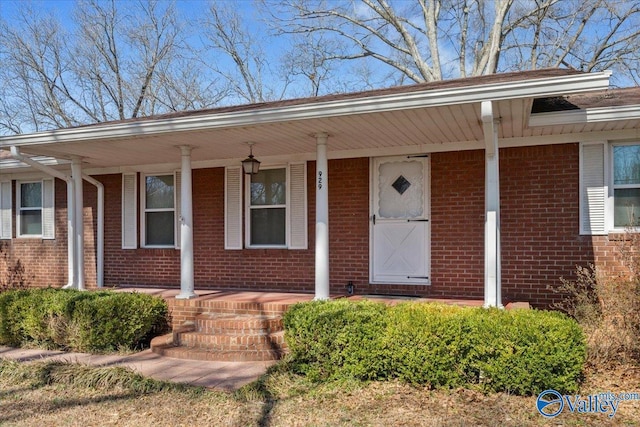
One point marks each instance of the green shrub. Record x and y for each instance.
(10, 318)
(520, 351)
(336, 338)
(430, 344)
(82, 321)
(118, 321)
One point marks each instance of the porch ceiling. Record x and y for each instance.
(415, 127)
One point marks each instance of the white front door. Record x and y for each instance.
(400, 220)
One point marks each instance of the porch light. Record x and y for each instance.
(250, 165)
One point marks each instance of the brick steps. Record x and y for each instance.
(227, 331)
(235, 342)
(229, 323)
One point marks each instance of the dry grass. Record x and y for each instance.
(60, 395)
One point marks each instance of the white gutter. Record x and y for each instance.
(100, 237)
(71, 253)
(550, 86)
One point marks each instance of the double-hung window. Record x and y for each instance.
(267, 208)
(159, 217)
(30, 209)
(626, 185)
(610, 186)
(274, 212)
(35, 210)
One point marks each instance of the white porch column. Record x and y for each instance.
(186, 227)
(492, 279)
(76, 174)
(322, 218)
(71, 234)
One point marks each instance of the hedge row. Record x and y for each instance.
(520, 351)
(80, 321)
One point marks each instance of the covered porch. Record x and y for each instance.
(479, 114)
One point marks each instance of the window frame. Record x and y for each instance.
(20, 209)
(144, 210)
(248, 207)
(613, 187)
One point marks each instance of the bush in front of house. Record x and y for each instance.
(80, 321)
(118, 321)
(521, 351)
(337, 338)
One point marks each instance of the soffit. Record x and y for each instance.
(415, 127)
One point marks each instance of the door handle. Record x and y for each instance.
(373, 218)
(417, 220)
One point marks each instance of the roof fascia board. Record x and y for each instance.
(589, 115)
(550, 86)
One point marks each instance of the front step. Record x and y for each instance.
(226, 336)
(219, 356)
(232, 342)
(232, 323)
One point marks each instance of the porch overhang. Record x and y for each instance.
(416, 119)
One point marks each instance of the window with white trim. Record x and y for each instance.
(274, 211)
(29, 213)
(159, 213)
(267, 208)
(626, 185)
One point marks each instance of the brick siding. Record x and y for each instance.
(539, 229)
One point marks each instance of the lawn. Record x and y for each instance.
(63, 395)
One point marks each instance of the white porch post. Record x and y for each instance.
(76, 174)
(322, 218)
(71, 234)
(492, 279)
(186, 227)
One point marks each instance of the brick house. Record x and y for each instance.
(488, 187)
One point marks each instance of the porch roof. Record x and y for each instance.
(440, 116)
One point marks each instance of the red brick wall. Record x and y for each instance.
(540, 221)
(457, 224)
(539, 218)
(45, 261)
(539, 193)
(265, 269)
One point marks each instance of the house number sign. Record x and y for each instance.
(320, 180)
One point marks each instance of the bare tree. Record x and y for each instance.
(123, 60)
(246, 66)
(427, 40)
(588, 35)
(260, 64)
(313, 58)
